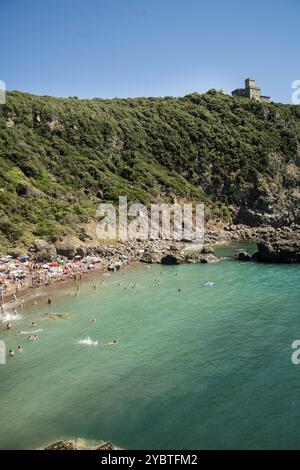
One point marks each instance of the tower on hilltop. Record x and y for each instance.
(251, 91)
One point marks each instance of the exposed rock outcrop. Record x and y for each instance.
(281, 246)
(151, 257)
(67, 249)
(43, 252)
(206, 259)
(207, 250)
(171, 259)
(79, 445)
(61, 445)
(242, 255)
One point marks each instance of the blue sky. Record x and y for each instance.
(109, 48)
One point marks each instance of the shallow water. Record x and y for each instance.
(200, 368)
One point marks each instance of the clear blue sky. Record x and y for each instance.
(109, 48)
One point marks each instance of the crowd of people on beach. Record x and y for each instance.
(20, 273)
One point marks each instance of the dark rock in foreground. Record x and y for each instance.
(172, 259)
(61, 445)
(281, 246)
(78, 445)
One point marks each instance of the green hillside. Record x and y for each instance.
(60, 157)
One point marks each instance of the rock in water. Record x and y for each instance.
(61, 445)
(282, 246)
(207, 250)
(79, 445)
(242, 255)
(207, 259)
(171, 259)
(151, 257)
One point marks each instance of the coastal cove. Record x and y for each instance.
(192, 367)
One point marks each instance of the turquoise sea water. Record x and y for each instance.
(202, 368)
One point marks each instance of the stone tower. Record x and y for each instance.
(251, 91)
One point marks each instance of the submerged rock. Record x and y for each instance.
(57, 316)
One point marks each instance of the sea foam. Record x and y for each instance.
(10, 317)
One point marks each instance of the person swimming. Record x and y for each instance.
(112, 343)
(209, 284)
(49, 300)
(19, 349)
(8, 326)
(33, 337)
(12, 353)
(33, 323)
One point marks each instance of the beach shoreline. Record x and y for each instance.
(100, 259)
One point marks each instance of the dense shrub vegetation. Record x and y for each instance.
(60, 157)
